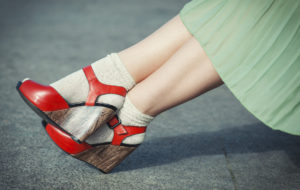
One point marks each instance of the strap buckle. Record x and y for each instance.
(114, 125)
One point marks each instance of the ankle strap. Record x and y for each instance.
(96, 88)
(121, 131)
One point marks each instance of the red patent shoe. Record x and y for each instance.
(104, 156)
(78, 121)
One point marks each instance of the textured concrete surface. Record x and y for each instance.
(211, 142)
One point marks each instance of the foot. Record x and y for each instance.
(110, 144)
(88, 97)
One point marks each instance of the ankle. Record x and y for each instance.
(111, 70)
(131, 115)
(145, 104)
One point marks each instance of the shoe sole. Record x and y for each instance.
(105, 157)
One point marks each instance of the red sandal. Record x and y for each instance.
(78, 121)
(104, 156)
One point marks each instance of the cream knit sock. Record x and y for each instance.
(108, 70)
(129, 116)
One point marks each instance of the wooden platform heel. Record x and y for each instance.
(104, 156)
(78, 121)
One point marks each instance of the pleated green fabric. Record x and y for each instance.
(255, 47)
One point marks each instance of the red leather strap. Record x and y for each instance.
(96, 88)
(131, 130)
(121, 131)
(115, 124)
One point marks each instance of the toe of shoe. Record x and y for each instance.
(46, 98)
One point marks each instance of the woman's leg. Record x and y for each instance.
(131, 66)
(148, 55)
(187, 74)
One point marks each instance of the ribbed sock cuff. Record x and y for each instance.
(130, 115)
(111, 70)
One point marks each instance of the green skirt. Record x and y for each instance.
(255, 47)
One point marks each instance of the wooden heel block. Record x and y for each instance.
(105, 157)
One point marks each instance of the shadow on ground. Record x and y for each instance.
(245, 139)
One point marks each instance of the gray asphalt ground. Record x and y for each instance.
(211, 142)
